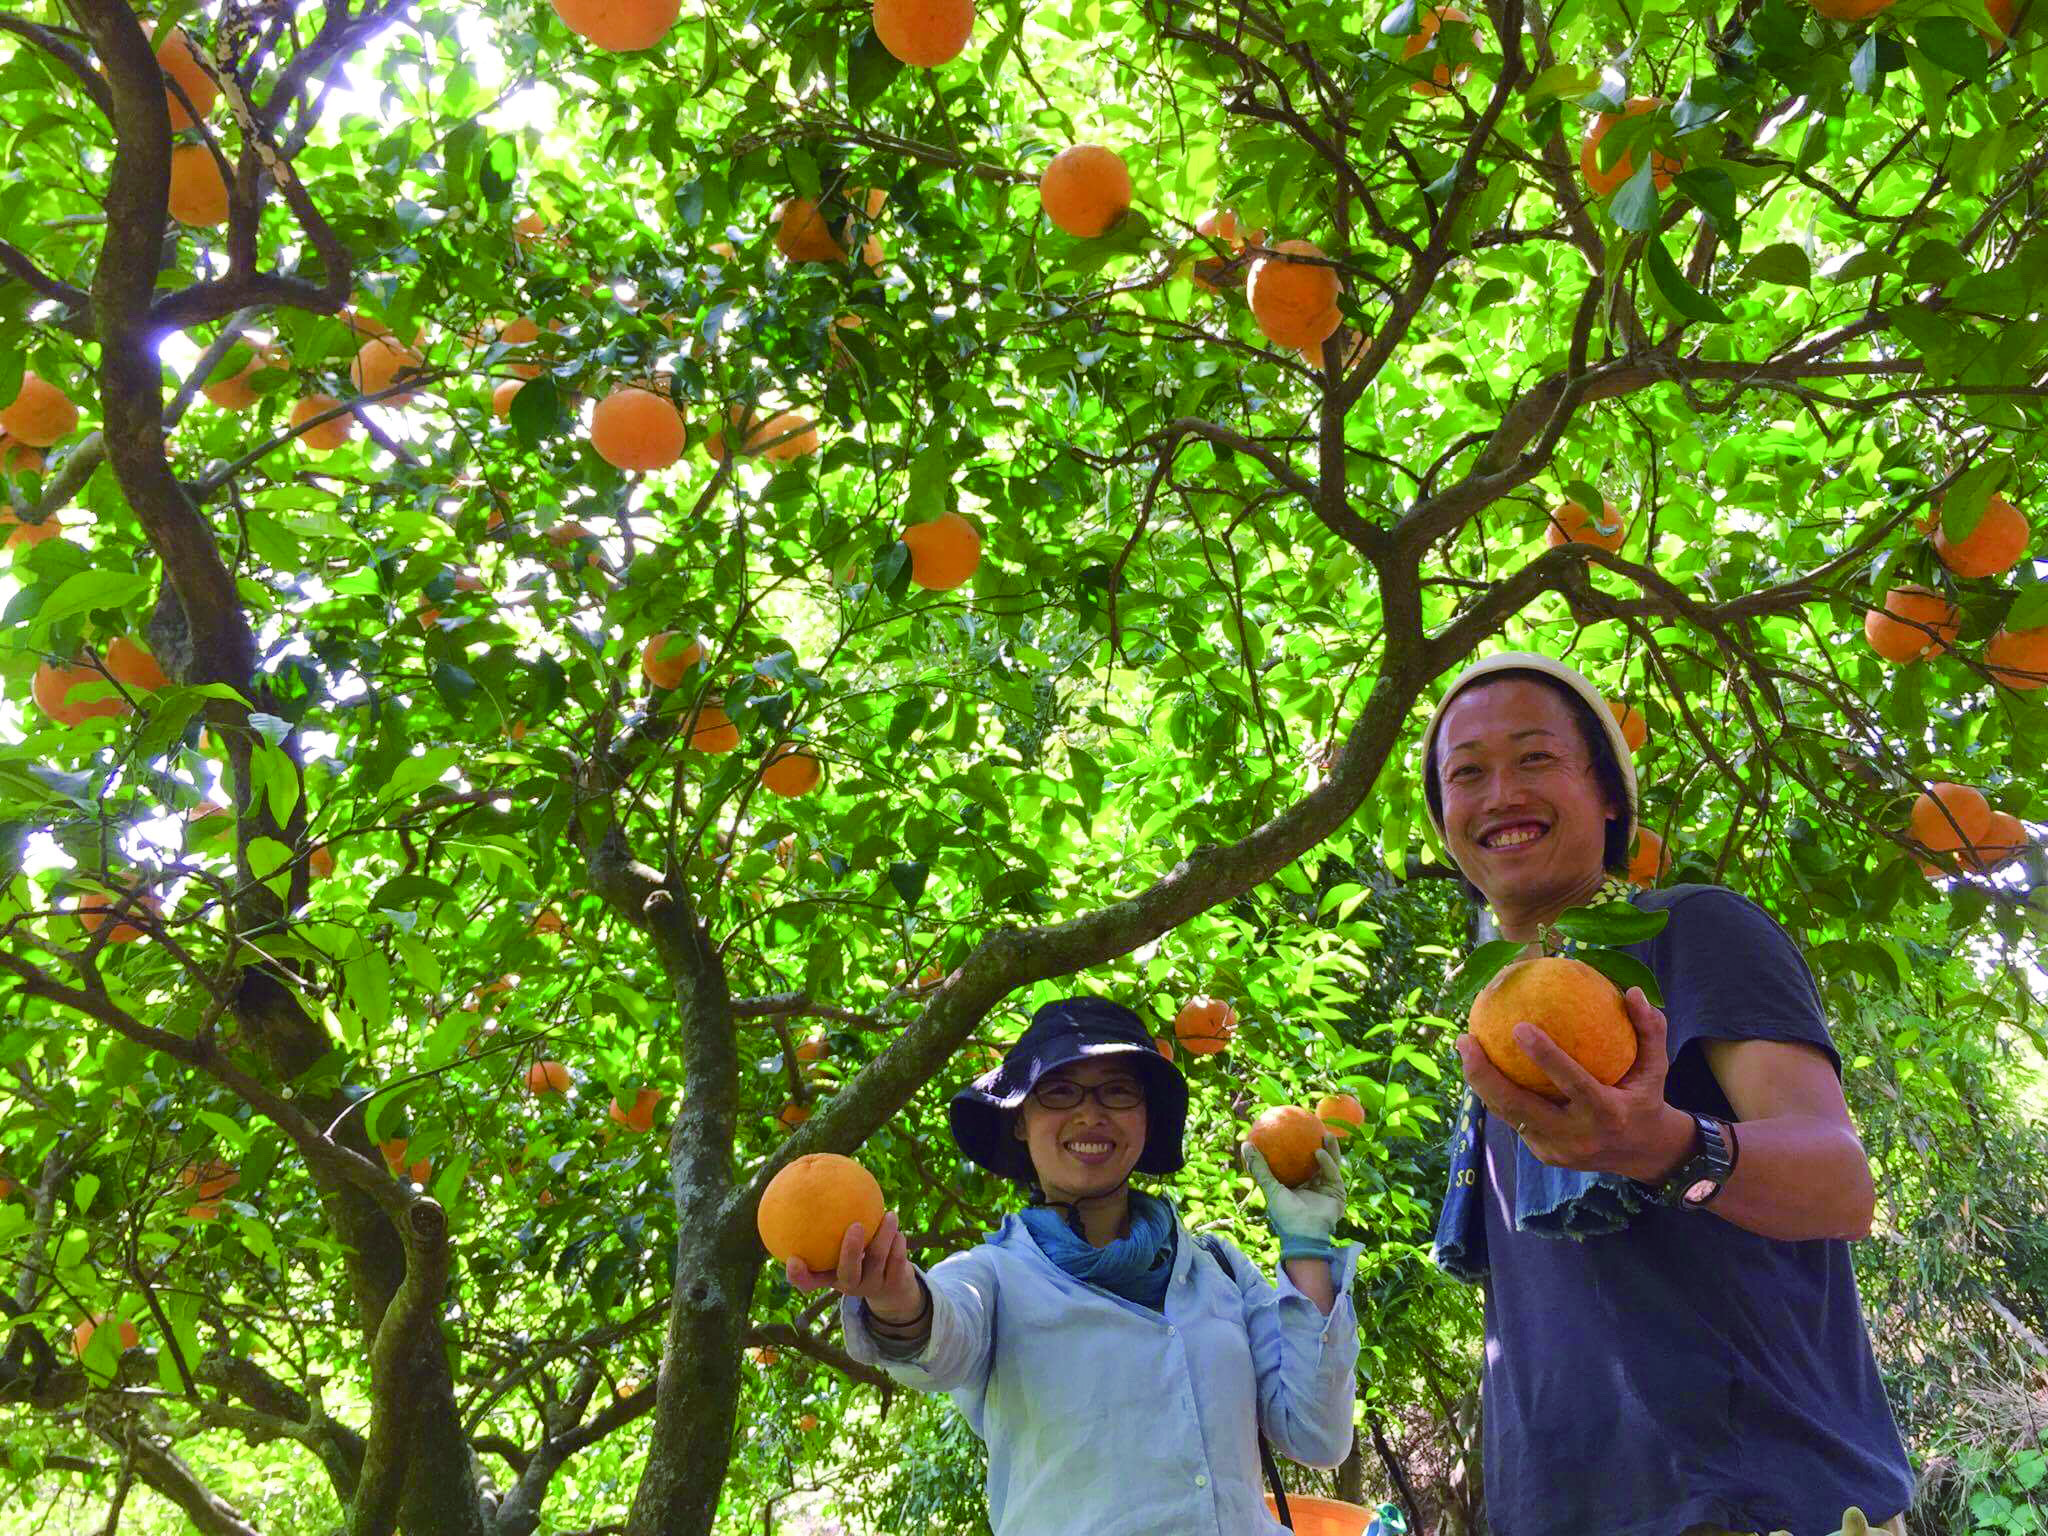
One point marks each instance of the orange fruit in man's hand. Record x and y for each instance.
(924, 33)
(1085, 190)
(1600, 183)
(1899, 632)
(1204, 1025)
(1949, 816)
(808, 1206)
(1578, 1008)
(1294, 302)
(1994, 545)
(1288, 1137)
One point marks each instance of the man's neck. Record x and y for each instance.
(1523, 926)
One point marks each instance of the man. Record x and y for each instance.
(1674, 1342)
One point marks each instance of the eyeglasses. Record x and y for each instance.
(1064, 1093)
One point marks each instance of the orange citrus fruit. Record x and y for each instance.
(636, 429)
(199, 193)
(808, 1206)
(1085, 190)
(1294, 302)
(1567, 999)
(1601, 183)
(944, 552)
(1899, 632)
(39, 415)
(924, 33)
(1949, 816)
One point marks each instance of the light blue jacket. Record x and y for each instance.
(1106, 1418)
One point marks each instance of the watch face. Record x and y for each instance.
(1700, 1189)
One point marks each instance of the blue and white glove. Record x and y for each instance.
(1303, 1218)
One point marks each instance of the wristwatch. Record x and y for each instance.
(1695, 1182)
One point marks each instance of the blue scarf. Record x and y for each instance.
(1136, 1267)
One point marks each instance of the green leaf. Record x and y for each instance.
(2030, 609)
(1611, 922)
(909, 880)
(1635, 202)
(870, 70)
(1784, 263)
(536, 407)
(1963, 503)
(1480, 967)
(102, 587)
(1678, 293)
(83, 1191)
(1561, 80)
(1955, 45)
(1624, 971)
(1713, 192)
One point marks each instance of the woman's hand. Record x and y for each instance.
(1303, 1218)
(877, 1269)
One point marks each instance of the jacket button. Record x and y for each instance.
(1201, 1480)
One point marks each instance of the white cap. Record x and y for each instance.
(1529, 661)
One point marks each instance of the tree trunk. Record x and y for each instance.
(697, 1402)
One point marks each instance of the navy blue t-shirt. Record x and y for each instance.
(1684, 1371)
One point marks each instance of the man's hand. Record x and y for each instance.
(878, 1271)
(1627, 1129)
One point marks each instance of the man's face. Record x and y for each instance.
(1523, 811)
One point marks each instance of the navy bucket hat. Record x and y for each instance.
(1070, 1030)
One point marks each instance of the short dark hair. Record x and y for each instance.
(1606, 767)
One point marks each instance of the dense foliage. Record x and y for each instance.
(341, 958)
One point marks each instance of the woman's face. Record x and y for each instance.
(1085, 1150)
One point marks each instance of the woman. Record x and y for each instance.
(1116, 1371)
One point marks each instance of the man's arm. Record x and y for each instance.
(1802, 1172)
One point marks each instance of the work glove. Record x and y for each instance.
(1305, 1217)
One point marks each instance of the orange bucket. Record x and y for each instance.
(1323, 1517)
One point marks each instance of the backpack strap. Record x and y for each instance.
(1214, 1249)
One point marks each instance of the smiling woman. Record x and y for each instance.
(1093, 1309)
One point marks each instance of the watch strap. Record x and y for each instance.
(1698, 1181)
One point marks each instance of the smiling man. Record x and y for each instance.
(1674, 1342)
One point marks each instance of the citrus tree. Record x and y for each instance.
(600, 599)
